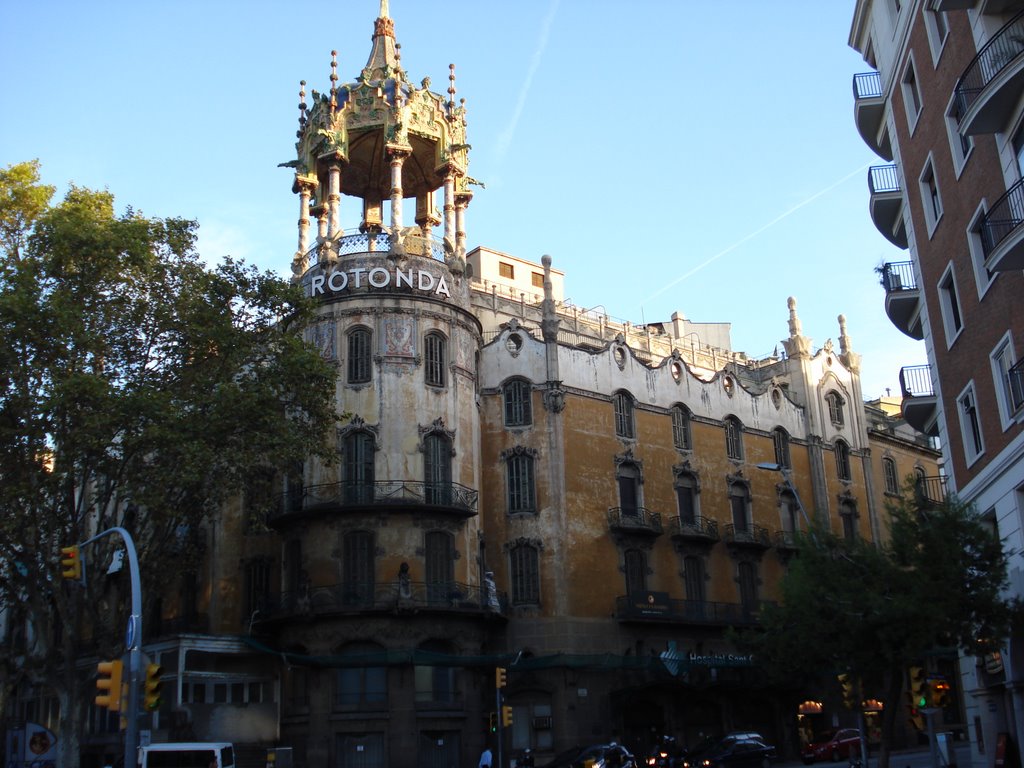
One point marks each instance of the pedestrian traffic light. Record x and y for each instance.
(919, 687)
(938, 689)
(71, 562)
(506, 715)
(151, 688)
(493, 722)
(108, 683)
(500, 677)
(846, 686)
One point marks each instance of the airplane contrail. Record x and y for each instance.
(757, 232)
(505, 137)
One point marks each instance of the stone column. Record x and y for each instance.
(449, 207)
(334, 200)
(461, 203)
(304, 192)
(396, 157)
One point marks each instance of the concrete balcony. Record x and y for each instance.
(635, 520)
(903, 298)
(920, 405)
(383, 496)
(698, 531)
(886, 203)
(869, 113)
(990, 87)
(1002, 231)
(747, 537)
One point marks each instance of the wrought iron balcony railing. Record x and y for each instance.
(635, 519)
(916, 381)
(867, 85)
(788, 540)
(898, 276)
(930, 490)
(1003, 218)
(369, 242)
(700, 528)
(384, 493)
(884, 179)
(752, 535)
(676, 611)
(349, 598)
(1002, 49)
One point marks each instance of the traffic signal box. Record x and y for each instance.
(506, 715)
(71, 562)
(493, 722)
(151, 688)
(847, 687)
(938, 691)
(500, 677)
(917, 696)
(108, 685)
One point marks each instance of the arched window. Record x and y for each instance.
(734, 438)
(843, 460)
(835, 408)
(687, 498)
(681, 427)
(522, 496)
(361, 687)
(358, 568)
(625, 425)
(435, 359)
(435, 684)
(780, 438)
(848, 514)
(437, 469)
(358, 467)
(635, 562)
(525, 568)
(518, 411)
(360, 355)
(892, 481)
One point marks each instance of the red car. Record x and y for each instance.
(834, 745)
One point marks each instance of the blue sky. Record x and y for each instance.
(671, 155)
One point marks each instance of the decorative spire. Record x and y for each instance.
(383, 10)
(334, 80)
(451, 90)
(797, 345)
(850, 358)
(302, 108)
(383, 61)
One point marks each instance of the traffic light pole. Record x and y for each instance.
(133, 644)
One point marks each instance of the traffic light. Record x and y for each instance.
(916, 696)
(938, 688)
(506, 715)
(846, 685)
(151, 688)
(500, 677)
(108, 683)
(493, 722)
(71, 562)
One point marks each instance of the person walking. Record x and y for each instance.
(485, 758)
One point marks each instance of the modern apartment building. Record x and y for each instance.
(943, 107)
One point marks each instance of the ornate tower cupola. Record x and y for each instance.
(382, 139)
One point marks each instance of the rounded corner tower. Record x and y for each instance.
(382, 549)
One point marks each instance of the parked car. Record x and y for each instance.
(610, 755)
(837, 744)
(737, 753)
(695, 754)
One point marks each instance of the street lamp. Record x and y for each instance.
(786, 472)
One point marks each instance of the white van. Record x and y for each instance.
(188, 754)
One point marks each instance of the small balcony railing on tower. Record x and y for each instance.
(638, 519)
(355, 241)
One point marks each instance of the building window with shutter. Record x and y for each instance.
(625, 426)
(360, 356)
(435, 359)
(525, 568)
(681, 427)
(842, 451)
(522, 495)
(734, 438)
(516, 395)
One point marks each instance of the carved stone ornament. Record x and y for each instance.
(523, 541)
(436, 427)
(554, 397)
(519, 450)
(627, 457)
(357, 424)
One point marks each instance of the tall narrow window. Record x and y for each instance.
(518, 411)
(693, 576)
(629, 489)
(525, 575)
(635, 562)
(437, 462)
(747, 578)
(970, 424)
(790, 511)
(842, 451)
(361, 687)
(357, 568)
(892, 481)
(734, 438)
(686, 496)
(739, 502)
(835, 403)
(435, 359)
(1002, 364)
(359, 468)
(780, 439)
(949, 303)
(625, 426)
(681, 427)
(360, 355)
(930, 198)
(440, 566)
(257, 585)
(435, 684)
(521, 494)
(911, 94)
(848, 514)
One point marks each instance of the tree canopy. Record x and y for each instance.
(138, 387)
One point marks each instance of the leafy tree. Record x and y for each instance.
(138, 388)
(873, 610)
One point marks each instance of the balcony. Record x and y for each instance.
(659, 608)
(989, 89)
(903, 298)
(930, 491)
(869, 112)
(1015, 380)
(952, 5)
(886, 203)
(748, 537)
(1002, 233)
(635, 520)
(787, 541)
(920, 406)
(698, 531)
(360, 599)
(386, 495)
